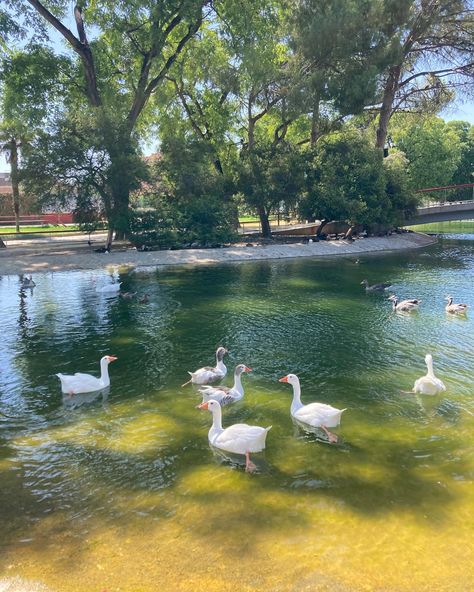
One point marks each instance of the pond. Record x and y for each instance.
(121, 491)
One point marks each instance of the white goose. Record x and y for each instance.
(224, 394)
(239, 438)
(404, 305)
(455, 308)
(208, 374)
(316, 415)
(86, 383)
(429, 384)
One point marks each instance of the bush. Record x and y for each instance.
(192, 202)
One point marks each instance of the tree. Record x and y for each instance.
(430, 57)
(135, 46)
(340, 48)
(464, 172)
(345, 181)
(28, 87)
(432, 147)
(270, 177)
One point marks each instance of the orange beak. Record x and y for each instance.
(284, 379)
(111, 358)
(247, 369)
(203, 406)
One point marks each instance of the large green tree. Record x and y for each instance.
(133, 48)
(30, 83)
(430, 57)
(432, 147)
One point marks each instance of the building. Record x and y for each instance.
(5, 184)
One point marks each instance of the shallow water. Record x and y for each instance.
(120, 490)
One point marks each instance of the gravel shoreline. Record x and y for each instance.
(48, 257)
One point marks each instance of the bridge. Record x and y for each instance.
(444, 211)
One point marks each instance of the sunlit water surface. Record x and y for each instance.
(120, 490)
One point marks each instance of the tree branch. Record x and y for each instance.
(80, 46)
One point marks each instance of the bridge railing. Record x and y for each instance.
(447, 194)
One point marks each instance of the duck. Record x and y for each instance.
(429, 384)
(316, 415)
(145, 299)
(375, 287)
(207, 374)
(224, 394)
(404, 305)
(455, 308)
(86, 383)
(109, 288)
(28, 282)
(238, 438)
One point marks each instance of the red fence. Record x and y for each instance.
(38, 219)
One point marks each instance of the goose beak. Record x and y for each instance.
(203, 406)
(111, 358)
(247, 369)
(284, 379)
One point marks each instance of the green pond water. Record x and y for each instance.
(120, 491)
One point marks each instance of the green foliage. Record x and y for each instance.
(270, 177)
(433, 149)
(464, 172)
(403, 201)
(193, 201)
(345, 180)
(69, 166)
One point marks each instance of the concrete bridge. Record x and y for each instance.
(443, 212)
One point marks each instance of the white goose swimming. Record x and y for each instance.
(455, 308)
(317, 415)
(239, 438)
(208, 374)
(224, 394)
(429, 384)
(404, 305)
(86, 383)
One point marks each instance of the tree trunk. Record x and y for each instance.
(385, 114)
(264, 222)
(14, 179)
(315, 120)
(121, 156)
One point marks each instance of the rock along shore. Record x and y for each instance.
(47, 256)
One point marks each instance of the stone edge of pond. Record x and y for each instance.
(12, 263)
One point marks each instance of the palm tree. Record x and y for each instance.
(9, 144)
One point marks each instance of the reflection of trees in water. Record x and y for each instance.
(23, 319)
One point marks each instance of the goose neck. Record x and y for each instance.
(220, 366)
(216, 419)
(104, 372)
(296, 403)
(238, 384)
(429, 365)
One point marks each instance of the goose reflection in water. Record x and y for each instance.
(85, 398)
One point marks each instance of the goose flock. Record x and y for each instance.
(241, 438)
(244, 439)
